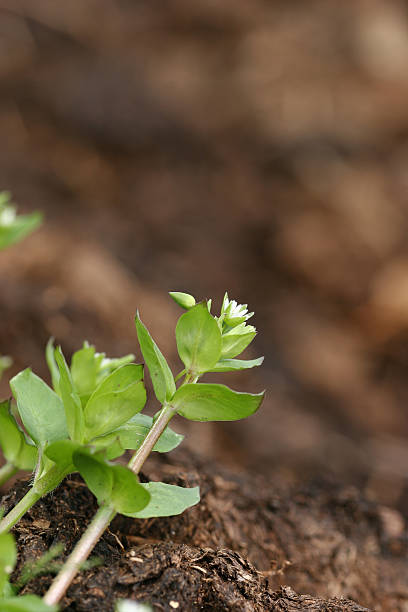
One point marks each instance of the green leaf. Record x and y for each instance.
(198, 339)
(162, 378)
(85, 366)
(61, 452)
(26, 603)
(209, 402)
(13, 441)
(40, 408)
(128, 605)
(52, 365)
(8, 558)
(14, 228)
(167, 500)
(236, 340)
(70, 399)
(131, 435)
(230, 365)
(96, 473)
(128, 496)
(185, 300)
(119, 397)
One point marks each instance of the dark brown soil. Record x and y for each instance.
(244, 547)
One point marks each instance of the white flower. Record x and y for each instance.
(233, 313)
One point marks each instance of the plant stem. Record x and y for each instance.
(104, 515)
(15, 514)
(7, 471)
(46, 483)
(79, 555)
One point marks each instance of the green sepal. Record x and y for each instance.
(185, 300)
(70, 399)
(236, 340)
(40, 408)
(167, 500)
(160, 373)
(211, 402)
(232, 365)
(13, 442)
(198, 339)
(118, 398)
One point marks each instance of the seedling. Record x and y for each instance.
(93, 408)
(205, 343)
(10, 601)
(13, 227)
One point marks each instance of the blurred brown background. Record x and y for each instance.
(255, 146)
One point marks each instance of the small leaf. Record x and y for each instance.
(160, 373)
(236, 340)
(8, 558)
(96, 473)
(198, 339)
(70, 399)
(14, 228)
(119, 397)
(230, 365)
(26, 603)
(209, 402)
(167, 500)
(128, 496)
(13, 441)
(61, 452)
(52, 365)
(185, 300)
(85, 367)
(40, 408)
(131, 435)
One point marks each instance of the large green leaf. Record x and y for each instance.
(70, 399)
(26, 603)
(13, 442)
(131, 435)
(128, 496)
(198, 339)
(96, 472)
(119, 397)
(160, 373)
(232, 365)
(209, 402)
(40, 408)
(167, 500)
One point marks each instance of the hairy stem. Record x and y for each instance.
(15, 514)
(49, 482)
(104, 515)
(7, 471)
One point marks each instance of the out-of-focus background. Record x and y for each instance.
(255, 146)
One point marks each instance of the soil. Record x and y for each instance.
(249, 545)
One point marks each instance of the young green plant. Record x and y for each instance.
(205, 343)
(10, 601)
(92, 410)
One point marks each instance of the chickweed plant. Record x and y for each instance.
(91, 415)
(205, 343)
